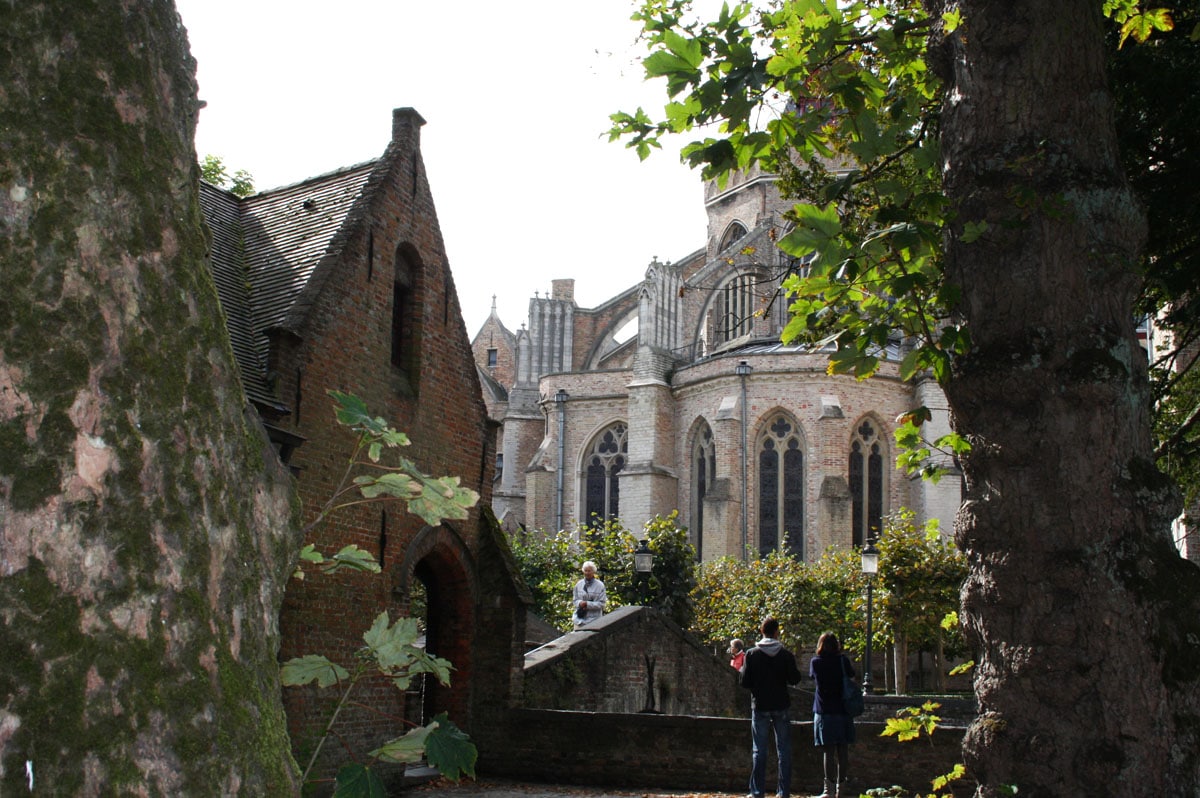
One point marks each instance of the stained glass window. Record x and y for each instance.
(781, 487)
(604, 462)
(867, 457)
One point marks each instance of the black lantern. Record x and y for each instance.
(643, 559)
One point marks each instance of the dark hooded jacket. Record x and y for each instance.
(768, 670)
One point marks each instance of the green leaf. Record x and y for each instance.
(450, 750)
(395, 653)
(358, 781)
(351, 411)
(687, 49)
(972, 231)
(310, 554)
(394, 484)
(447, 499)
(965, 667)
(351, 557)
(312, 668)
(957, 773)
(1142, 26)
(392, 645)
(911, 364)
(815, 229)
(409, 748)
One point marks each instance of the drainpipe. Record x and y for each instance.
(743, 370)
(560, 401)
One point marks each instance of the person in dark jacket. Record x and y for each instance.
(833, 729)
(767, 671)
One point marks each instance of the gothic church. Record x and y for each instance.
(678, 394)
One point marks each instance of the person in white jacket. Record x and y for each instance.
(589, 596)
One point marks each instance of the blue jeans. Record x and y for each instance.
(761, 724)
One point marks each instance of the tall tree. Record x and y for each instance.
(977, 203)
(146, 528)
(1074, 589)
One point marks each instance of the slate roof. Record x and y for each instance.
(266, 251)
(222, 211)
(491, 385)
(293, 229)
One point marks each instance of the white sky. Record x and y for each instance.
(515, 94)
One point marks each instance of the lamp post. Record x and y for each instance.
(560, 402)
(643, 564)
(742, 369)
(870, 567)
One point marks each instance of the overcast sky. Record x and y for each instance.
(515, 95)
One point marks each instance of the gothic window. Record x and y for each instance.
(781, 488)
(735, 308)
(734, 232)
(605, 459)
(867, 456)
(704, 467)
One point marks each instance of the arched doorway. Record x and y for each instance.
(438, 571)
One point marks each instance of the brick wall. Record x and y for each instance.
(582, 718)
(697, 753)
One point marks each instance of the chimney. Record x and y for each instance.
(563, 290)
(407, 122)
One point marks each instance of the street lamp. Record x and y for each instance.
(870, 567)
(742, 370)
(643, 564)
(560, 402)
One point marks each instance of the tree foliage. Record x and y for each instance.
(733, 596)
(917, 587)
(920, 573)
(240, 183)
(839, 99)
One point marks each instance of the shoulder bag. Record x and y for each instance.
(852, 694)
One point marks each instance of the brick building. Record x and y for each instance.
(342, 282)
(677, 394)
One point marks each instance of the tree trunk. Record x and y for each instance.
(900, 662)
(1085, 617)
(939, 665)
(146, 529)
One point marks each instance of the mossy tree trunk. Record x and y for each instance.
(147, 529)
(1087, 619)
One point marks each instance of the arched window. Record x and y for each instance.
(734, 232)
(405, 312)
(704, 467)
(736, 304)
(867, 456)
(605, 459)
(781, 487)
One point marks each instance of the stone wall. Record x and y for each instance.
(631, 660)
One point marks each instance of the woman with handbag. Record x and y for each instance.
(833, 726)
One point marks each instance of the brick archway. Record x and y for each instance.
(441, 561)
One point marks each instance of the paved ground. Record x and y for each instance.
(495, 788)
